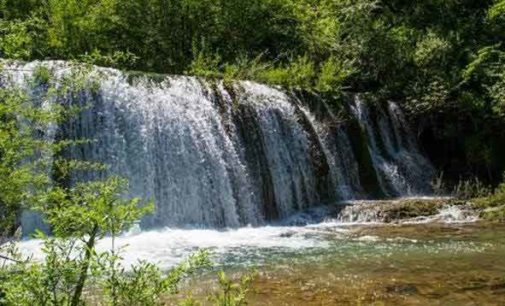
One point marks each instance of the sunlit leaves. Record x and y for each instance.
(430, 49)
(497, 10)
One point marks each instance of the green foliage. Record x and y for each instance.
(444, 60)
(431, 48)
(49, 283)
(54, 281)
(21, 176)
(116, 59)
(497, 198)
(89, 207)
(492, 206)
(205, 65)
(394, 45)
(15, 41)
(497, 10)
(300, 73)
(428, 98)
(496, 89)
(145, 284)
(333, 73)
(245, 69)
(494, 214)
(230, 293)
(41, 75)
(469, 189)
(478, 64)
(27, 148)
(79, 217)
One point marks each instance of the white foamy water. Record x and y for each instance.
(168, 247)
(254, 245)
(448, 214)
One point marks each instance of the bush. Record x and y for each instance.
(228, 293)
(495, 214)
(332, 75)
(300, 73)
(494, 200)
(73, 271)
(493, 206)
(205, 64)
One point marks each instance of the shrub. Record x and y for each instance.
(333, 73)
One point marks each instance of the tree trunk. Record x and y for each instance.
(90, 244)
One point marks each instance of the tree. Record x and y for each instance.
(24, 154)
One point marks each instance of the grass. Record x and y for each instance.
(492, 207)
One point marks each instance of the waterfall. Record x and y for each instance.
(217, 154)
(401, 169)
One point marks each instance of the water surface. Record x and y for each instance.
(442, 260)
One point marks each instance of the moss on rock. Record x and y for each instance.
(397, 210)
(407, 209)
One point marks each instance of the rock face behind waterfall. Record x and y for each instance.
(226, 155)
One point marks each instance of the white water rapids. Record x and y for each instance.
(249, 246)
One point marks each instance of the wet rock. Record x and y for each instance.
(287, 234)
(402, 289)
(396, 211)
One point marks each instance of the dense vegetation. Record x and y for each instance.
(442, 58)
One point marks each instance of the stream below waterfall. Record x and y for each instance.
(428, 264)
(410, 264)
(447, 259)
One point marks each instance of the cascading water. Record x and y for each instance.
(219, 155)
(401, 169)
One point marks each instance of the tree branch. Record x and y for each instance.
(9, 259)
